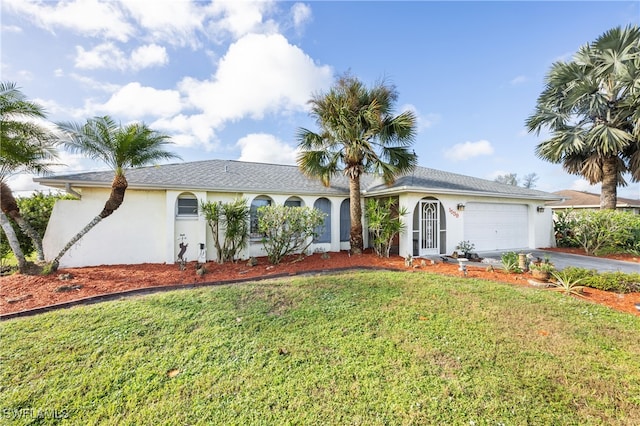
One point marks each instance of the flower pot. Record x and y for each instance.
(540, 275)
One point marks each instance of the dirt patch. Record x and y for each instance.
(23, 292)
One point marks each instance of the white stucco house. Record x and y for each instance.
(160, 210)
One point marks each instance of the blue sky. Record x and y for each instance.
(231, 80)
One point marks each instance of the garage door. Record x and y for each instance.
(496, 226)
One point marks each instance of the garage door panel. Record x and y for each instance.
(496, 226)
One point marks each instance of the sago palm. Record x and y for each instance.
(591, 106)
(358, 134)
(102, 139)
(26, 147)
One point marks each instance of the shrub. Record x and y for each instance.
(383, 219)
(231, 218)
(35, 209)
(510, 262)
(595, 230)
(618, 282)
(287, 230)
(563, 225)
(567, 284)
(466, 247)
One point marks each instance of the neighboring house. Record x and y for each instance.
(161, 210)
(571, 199)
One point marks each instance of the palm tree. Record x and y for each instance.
(27, 147)
(101, 138)
(591, 106)
(358, 134)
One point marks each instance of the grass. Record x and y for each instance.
(360, 348)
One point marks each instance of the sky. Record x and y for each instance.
(232, 80)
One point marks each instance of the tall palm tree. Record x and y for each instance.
(101, 138)
(27, 147)
(591, 106)
(358, 134)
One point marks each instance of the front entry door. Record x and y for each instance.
(429, 228)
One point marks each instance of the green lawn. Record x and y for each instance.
(359, 348)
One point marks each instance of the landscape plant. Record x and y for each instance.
(563, 223)
(466, 247)
(618, 282)
(287, 230)
(119, 147)
(590, 109)
(596, 230)
(26, 145)
(358, 134)
(384, 221)
(35, 209)
(566, 284)
(230, 219)
(510, 262)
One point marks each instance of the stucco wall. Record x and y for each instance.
(132, 234)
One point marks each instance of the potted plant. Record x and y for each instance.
(466, 247)
(542, 270)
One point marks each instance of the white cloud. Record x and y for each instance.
(189, 131)
(266, 148)
(467, 150)
(11, 29)
(584, 185)
(518, 80)
(424, 120)
(286, 79)
(148, 56)
(88, 17)
(301, 14)
(170, 21)
(136, 101)
(107, 55)
(240, 18)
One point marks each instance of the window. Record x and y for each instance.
(324, 230)
(187, 205)
(253, 221)
(293, 202)
(345, 220)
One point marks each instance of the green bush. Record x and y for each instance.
(35, 209)
(563, 225)
(618, 282)
(287, 230)
(510, 262)
(383, 219)
(232, 219)
(598, 230)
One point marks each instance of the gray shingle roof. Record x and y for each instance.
(431, 180)
(240, 176)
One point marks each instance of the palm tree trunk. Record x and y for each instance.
(13, 241)
(609, 194)
(116, 198)
(10, 208)
(355, 237)
(118, 188)
(56, 262)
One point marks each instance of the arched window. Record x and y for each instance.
(257, 202)
(345, 220)
(293, 202)
(187, 205)
(324, 231)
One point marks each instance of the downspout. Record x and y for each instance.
(70, 190)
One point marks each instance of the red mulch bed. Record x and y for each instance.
(24, 292)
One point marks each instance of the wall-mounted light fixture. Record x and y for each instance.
(540, 209)
(460, 207)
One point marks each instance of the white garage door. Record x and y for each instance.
(496, 226)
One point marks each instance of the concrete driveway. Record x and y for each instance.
(563, 260)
